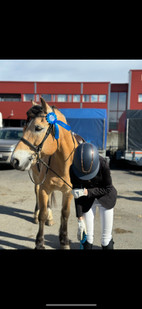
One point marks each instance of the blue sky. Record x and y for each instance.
(114, 71)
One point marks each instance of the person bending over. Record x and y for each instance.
(92, 187)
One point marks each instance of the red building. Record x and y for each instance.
(15, 97)
(135, 89)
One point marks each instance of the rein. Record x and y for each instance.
(48, 166)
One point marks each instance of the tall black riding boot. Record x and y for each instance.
(109, 246)
(87, 245)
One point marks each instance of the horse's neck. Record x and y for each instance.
(64, 155)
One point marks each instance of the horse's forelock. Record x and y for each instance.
(37, 110)
(34, 111)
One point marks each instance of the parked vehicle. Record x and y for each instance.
(130, 137)
(9, 138)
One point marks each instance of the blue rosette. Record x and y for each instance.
(52, 118)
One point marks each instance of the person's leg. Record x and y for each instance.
(106, 216)
(89, 221)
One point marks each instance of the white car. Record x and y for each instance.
(9, 138)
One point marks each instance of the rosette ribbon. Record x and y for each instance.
(52, 118)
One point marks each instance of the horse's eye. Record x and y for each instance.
(37, 128)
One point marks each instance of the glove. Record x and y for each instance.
(78, 193)
(81, 229)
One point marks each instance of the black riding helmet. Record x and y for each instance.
(86, 161)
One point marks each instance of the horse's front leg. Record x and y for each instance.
(49, 220)
(63, 232)
(43, 215)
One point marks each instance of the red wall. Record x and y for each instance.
(136, 88)
(58, 88)
(16, 87)
(95, 88)
(19, 109)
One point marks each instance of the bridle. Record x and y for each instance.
(37, 150)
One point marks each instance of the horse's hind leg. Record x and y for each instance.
(63, 232)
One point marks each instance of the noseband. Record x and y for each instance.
(38, 148)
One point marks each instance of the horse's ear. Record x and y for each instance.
(33, 103)
(47, 109)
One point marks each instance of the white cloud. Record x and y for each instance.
(115, 71)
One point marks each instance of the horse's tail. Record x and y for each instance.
(52, 200)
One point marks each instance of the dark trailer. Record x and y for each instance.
(90, 123)
(130, 136)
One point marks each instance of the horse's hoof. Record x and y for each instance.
(39, 247)
(64, 247)
(49, 222)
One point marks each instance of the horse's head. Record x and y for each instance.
(38, 137)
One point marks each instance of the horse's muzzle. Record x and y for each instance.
(21, 163)
(15, 163)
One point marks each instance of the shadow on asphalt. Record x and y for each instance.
(9, 244)
(50, 240)
(16, 212)
(53, 242)
(132, 198)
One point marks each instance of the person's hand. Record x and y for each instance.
(79, 192)
(85, 191)
(81, 229)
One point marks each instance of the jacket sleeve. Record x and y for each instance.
(76, 184)
(74, 180)
(106, 185)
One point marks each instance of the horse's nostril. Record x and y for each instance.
(15, 163)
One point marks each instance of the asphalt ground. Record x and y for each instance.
(17, 202)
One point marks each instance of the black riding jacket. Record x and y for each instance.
(99, 187)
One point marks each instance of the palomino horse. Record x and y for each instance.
(47, 140)
(31, 113)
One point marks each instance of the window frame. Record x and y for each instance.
(139, 94)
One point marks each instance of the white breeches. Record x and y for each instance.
(106, 217)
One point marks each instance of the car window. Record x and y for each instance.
(10, 134)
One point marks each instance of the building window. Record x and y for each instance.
(94, 98)
(98, 98)
(46, 97)
(53, 97)
(118, 104)
(10, 97)
(139, 98)
(76, 98)
(62, 98)
(85, 98)
(102, 98)
(28, 97)
(122, 101)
